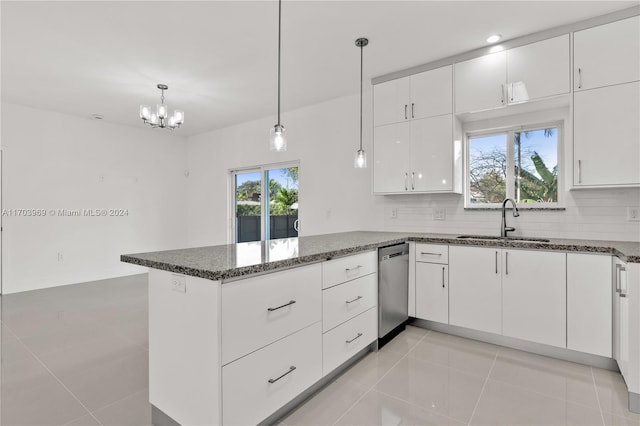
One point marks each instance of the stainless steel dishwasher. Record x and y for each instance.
(393, 291)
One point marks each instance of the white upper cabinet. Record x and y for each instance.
(538, 70)
(431, 162)
(606, 136)
(432, 93)
(391, 158)
(607, 54)
(391, 101)
(529, 72)
(426, 94)
(480, 83)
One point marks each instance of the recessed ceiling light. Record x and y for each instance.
(493, 38)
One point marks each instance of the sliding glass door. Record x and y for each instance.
(265, 203)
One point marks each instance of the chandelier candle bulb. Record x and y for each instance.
(145, 112)
(162, 111)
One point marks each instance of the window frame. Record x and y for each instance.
(264, 199)
(510, 130)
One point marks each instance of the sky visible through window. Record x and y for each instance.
(278, 175)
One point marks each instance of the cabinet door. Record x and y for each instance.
(538, 70)
(391, 158)
(607, 54)
(480, 83)
(589, 303)
(475, 293)
(432, 292)
(605, 136)
(432, 93)
(432, 154)
(391, 101)
(534, 296)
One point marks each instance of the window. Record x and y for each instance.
(519, 163)
(264, 203)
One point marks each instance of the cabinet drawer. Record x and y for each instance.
(348, 268)
(344, 341)
(432, 253)
(292, 364)
(258, 311)
(343, 302)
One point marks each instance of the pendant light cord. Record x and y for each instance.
(361, 66)
(279, 47)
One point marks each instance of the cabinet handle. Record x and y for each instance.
(293, 367)
(579, 171)
(502, 93)
(412, 105)
(413, 181)
(405, 111)
(619, 270)
(358, 336)
(496, 261)
(291, 302)
(354, 300)
(579, 78)
(352, 269)
(443, 277)
(426, 253)
(506, 263)
(511, 92)
(406, 179)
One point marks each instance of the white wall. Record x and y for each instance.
(324, 137)
(58, 161)
(334, 196)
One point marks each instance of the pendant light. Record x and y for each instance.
(278, 136)
(361, 157)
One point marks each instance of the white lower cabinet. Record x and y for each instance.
(534, 296)
(589, 303)
(475, 288)
(343, 302)
(432, 282)
(258, 384)
(346, 340)
(516, 293)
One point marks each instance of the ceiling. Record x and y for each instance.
(219, 57)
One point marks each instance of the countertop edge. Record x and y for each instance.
(244, 271)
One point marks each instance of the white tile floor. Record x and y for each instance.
(78, 355)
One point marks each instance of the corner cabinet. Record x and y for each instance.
(606, 105)
(533, 71)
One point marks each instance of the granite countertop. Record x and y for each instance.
(236, 260)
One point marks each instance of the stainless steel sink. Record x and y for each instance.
(494, 238)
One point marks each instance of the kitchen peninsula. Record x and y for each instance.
(262, 324)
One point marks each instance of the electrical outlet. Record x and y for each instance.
(633, 214)
(439, 214)
(179, 283)
(60, 257)
(394, 213)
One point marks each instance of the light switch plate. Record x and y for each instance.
(179, 283)
(439, 214)
(633, 214)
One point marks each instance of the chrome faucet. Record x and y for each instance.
(504, 228)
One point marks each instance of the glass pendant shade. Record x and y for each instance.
(179, 115)
(278, 138)
(360, 160)
(153, 120)
(162, 111)
(145, 112)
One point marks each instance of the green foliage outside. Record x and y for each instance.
(488, 174)
(282, 199)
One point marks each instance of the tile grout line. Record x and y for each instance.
(119, 400)
(484, 385)
(54, 376)
(595, 386)
(380, 379)
(413, 404)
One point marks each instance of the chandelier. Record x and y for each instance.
(161, 118)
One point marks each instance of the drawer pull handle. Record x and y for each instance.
(293, 367)
(353, 269)
(354, 300)
(426, 253)
(291, 302)
(358, 336)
